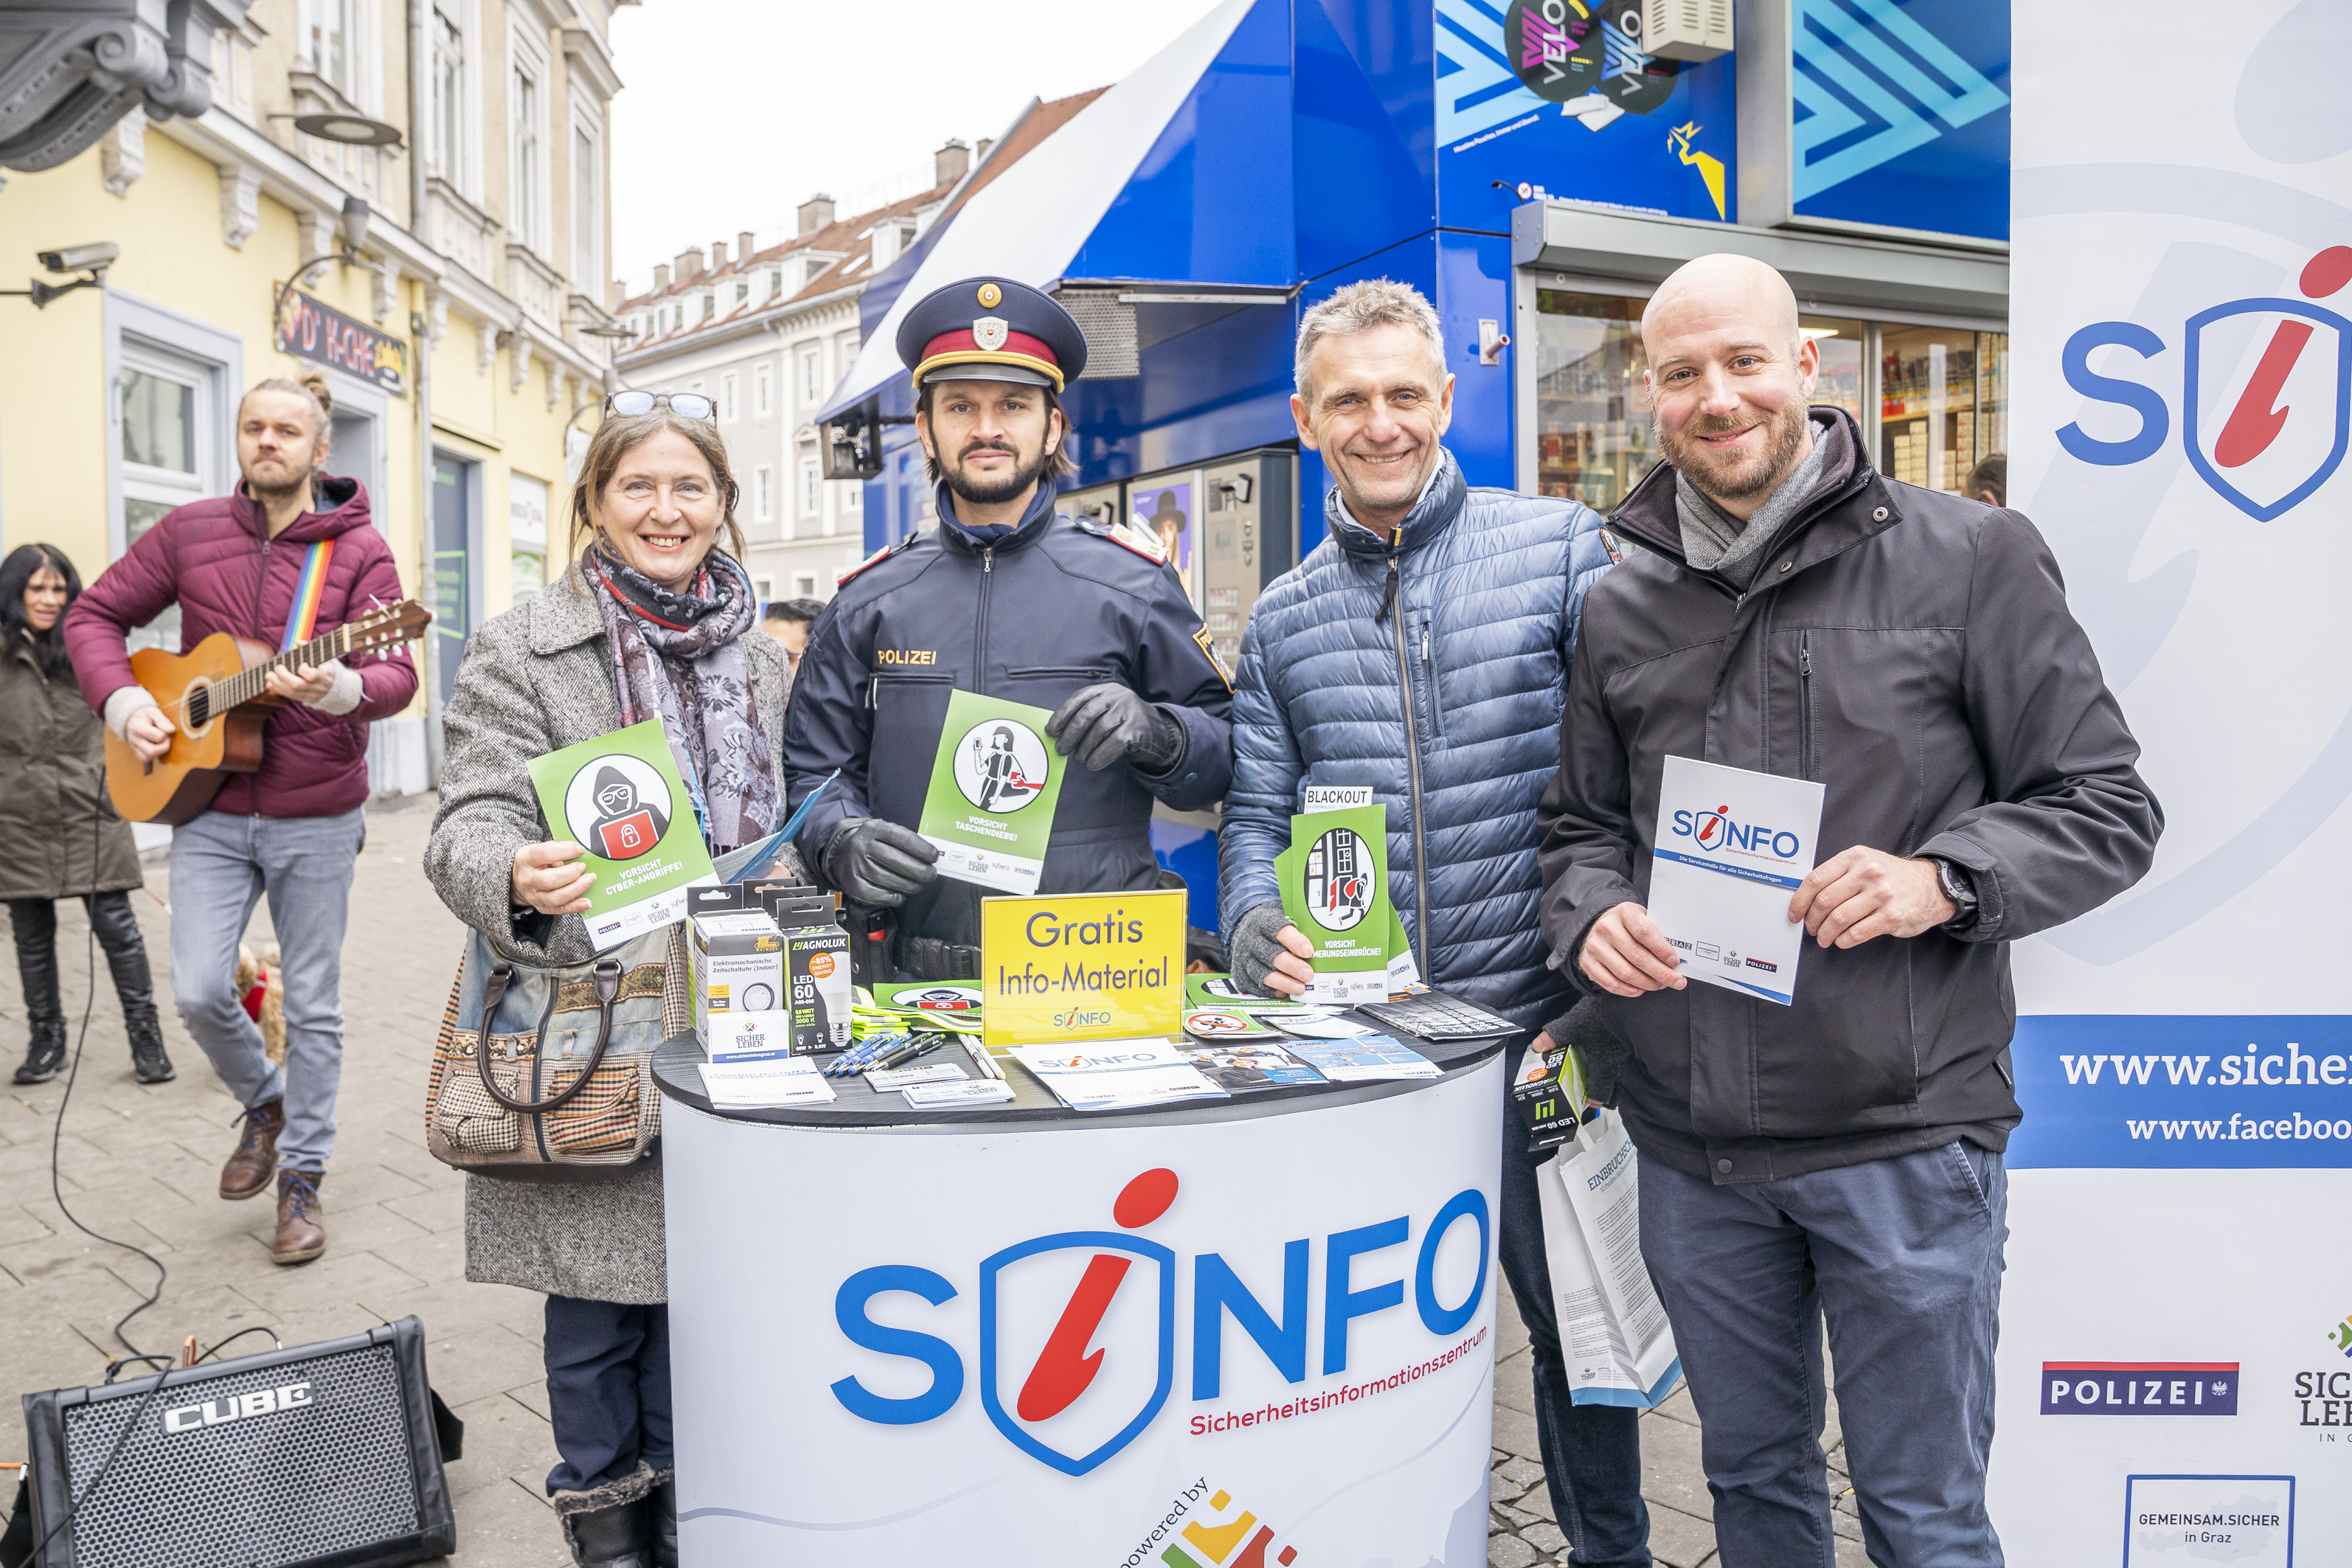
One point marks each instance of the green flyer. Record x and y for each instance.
(1335, 888)
(619, 796)
(993, 787)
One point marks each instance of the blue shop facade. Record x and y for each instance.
(1535, 167)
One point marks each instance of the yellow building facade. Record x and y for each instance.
(465, 338)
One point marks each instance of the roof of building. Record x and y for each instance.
(848, 243)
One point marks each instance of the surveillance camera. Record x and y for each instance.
(80, 257)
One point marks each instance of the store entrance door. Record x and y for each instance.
(452, 560)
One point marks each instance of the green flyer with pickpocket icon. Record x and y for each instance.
(1335, 890)
(620, 798)
(995, 784)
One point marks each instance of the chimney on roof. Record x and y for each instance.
(614, 293)
(744, 247)
(717, 253)
(952, 162)
(689, 262)
(979, 154)
(815, 213)
(661, 276)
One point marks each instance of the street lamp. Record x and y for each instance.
(354, 228)
(91, 260)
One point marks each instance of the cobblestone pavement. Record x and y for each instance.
(141, 1163)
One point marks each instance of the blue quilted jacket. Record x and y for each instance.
(1447, 702)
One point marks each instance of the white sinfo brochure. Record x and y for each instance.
(1731, 849)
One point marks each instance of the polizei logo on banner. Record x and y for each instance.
(2275, 432)
(1072, 1371)
(2139, 1388)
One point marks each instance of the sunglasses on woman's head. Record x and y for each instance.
(684, 404)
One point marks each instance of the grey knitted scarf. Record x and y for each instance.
(1713, 539)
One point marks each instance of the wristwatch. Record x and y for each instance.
(1956, 887)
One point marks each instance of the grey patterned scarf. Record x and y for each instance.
(679, 657)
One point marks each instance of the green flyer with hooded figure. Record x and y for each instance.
(619, 796)
(995, 784)
(1335, 888)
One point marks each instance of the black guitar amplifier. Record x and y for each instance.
(317, 1456)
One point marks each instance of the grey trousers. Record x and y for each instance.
(1904, 1258)
(221, 867)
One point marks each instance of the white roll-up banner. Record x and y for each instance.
(2175, 1350)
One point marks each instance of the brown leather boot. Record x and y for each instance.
(247, 1172)
(301, 1217)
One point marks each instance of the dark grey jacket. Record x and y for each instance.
(1913, 651)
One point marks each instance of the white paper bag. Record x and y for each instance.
(1613, 1333)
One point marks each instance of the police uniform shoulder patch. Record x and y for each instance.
(1215, 663)
(1143, 544)
(879, 556)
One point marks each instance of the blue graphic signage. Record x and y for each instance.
(1899, 114)
(1557, 98)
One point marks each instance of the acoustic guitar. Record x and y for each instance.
(217, 697)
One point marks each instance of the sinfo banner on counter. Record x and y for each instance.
(1263, 1342)
(2177, 1334)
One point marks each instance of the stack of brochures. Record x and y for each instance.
(1116, 1075)
(1363, 1057)
(763, 1083)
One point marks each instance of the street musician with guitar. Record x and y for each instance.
(289, 561)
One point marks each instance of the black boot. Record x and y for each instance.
(46, 1054)
(36, 924)
(661, 1514)
(605, 1526)
(126, 958)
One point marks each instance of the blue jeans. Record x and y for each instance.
(221, 866)
(1903, 1256)
(1591, 1453)
(607, 1391)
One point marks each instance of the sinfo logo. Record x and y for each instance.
(1072, 1374)
(2282, 426)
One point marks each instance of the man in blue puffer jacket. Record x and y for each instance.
(1423, 650)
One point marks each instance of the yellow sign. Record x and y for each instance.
(1081, 966)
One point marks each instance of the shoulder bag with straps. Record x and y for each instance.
(546, 1073)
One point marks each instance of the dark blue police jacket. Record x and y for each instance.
(1056, 606)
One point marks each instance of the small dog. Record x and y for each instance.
(263, 990)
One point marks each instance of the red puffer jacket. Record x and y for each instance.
(217, 561)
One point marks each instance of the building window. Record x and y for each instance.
(727, 408)
(525, 535)
(587, 215)
(804, 586)
(529, 162)
(168, 444)
(775, 283)
(765, 587)
(710, 305)
(742, 290)
(812, 362)
(334, 41)
(449, 151)
(694, 386)
(853, 496)
(763, 493)
(763, 389)
(811, 490)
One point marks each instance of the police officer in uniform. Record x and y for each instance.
(1010, 600)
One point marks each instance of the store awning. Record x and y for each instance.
(1029, 223)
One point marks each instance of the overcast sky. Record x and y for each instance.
(736, 110)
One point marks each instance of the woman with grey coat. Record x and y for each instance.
(649, 622)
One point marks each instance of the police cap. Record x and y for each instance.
(992, 329)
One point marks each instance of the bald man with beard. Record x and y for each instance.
(1793, 612)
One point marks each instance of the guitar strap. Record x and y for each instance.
(304, 614)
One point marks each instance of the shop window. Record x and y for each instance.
(1839, 383)
(1592, 435)
(1943, 402)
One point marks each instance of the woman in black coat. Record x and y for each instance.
(63, 839)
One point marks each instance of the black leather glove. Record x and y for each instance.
(877, 863)
(1103, 723)
(1254, 944)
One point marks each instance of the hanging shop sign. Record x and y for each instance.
(323, 335)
